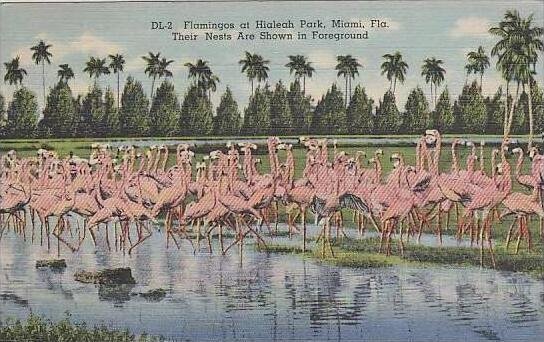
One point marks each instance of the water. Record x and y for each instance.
(273, 296)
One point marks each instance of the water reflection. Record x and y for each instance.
(273, 297)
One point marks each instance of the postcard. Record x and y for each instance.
(271, 170)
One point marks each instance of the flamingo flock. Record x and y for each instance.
(123, 193)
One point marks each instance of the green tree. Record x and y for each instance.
(93, 113)
(517, 51)
(301, 67)
(3, 118)
(538, 103)
(442, 117)
(14, 73)
(477, 62)
(23, 113)
(59, 114)
(433, 72)
(152, 68)
(388, 119)
(495, 109)
(111, 114)
(165, 111)
(228, 120)
(281, 120)
(196, 113)
(133, 118)
(96, 67)
(394, 69)
(117, 63)
(470, 108)
(416, 116)
(359, 114)
(330, 113)
(348, 67)
(65, 73)
(301, 108)
(41, 55)
(203, 76)
(257, 113)
(255, 67)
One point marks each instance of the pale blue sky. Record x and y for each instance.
(420, 29)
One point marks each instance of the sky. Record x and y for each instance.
(418, 29)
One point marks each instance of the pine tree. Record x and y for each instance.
(301, 108)
(93, 113)
(495, 113)
(331, 113)
(388, 119)
(196, 113)
(520, 123)
(538, 108)
(359, 116)
(60, 112)
(416, 116)
(317, 116)
(257, 113)
(134, 120)
(165, 111)
(111, 114)
(281, 120)
(3, 118)
(22, 113)
(471, 108)
(227, 120)
(442, 117)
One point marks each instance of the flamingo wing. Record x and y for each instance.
(354, 202)
(422, 185)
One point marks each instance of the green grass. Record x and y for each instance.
(364, 253)
(36, 328)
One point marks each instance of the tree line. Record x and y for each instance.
(284, 108)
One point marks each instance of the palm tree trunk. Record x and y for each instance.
(346, 88)
(505, 120)
(481, 82)
(431, 92)
(43, 82)
(395, 85)
(252, 87)
(152, 88)
(118, 82)
(531, 124)
(511, 112)
(304, 85)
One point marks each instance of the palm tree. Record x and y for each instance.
(14, 73)
(348, 67)
(255, 67)
(517, 52)
(163, 68)
(394, 69)
(434, 74)
(203, 76)
(42, 55)
(152, 68)
(65, 73)
(478, 61)
(301, 67)
(96, 67)
(117, 62)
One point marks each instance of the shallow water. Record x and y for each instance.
(273, 296)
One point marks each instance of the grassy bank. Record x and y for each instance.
(364, 253)
(36, 328)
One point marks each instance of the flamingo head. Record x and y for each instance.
(499, 168)
(378, 152)
(371, 161)
(517, 150)
(431, 137)
(281, 146)
(533, 152)
(396, 159)
(360, 154)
